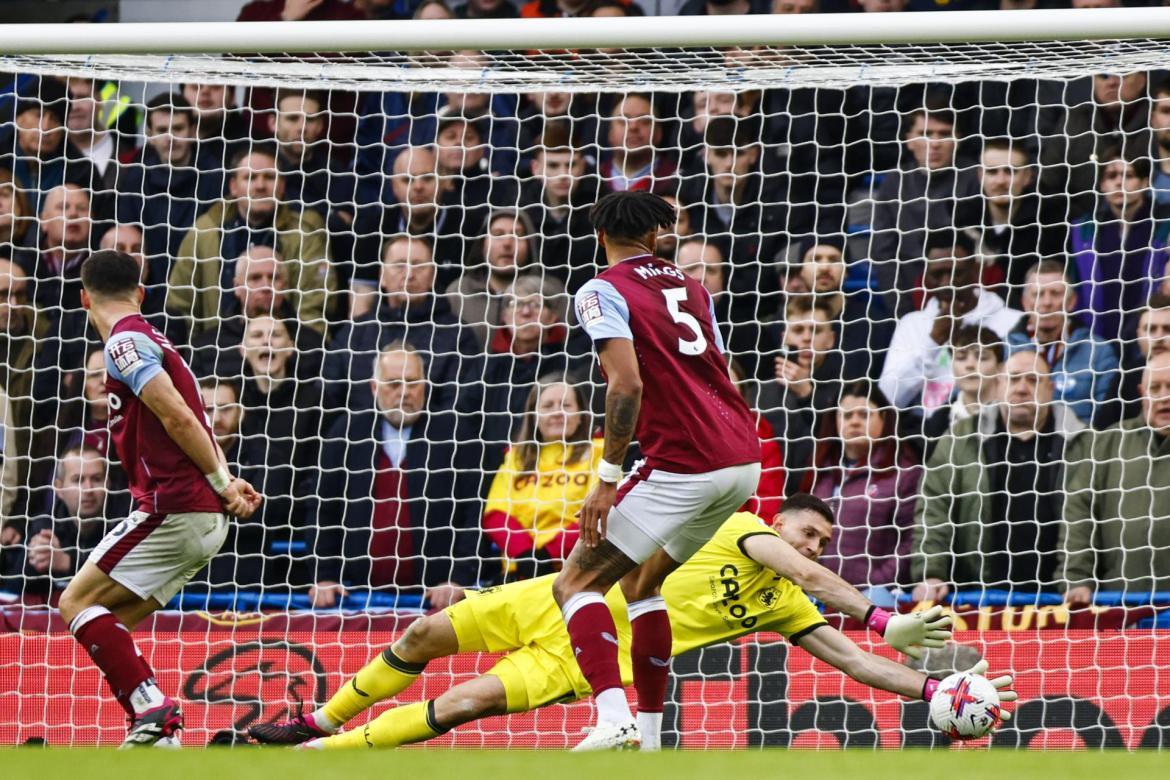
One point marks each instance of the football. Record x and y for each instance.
(965, 706)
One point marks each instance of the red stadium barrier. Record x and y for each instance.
(1079, 689)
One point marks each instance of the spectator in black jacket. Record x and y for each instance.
(557, 200)
(407, 310)
(1016, 230)
(256, 550)
(57, 542)
(393, 506)
(1152, 338)
(221, 127)
(170, 181)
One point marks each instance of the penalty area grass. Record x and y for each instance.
(413, 764)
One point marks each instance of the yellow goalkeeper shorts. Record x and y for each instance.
(523, 620)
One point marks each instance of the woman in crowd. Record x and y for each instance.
(871, 482)
(531, 510)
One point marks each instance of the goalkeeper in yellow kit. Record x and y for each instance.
(749, 577)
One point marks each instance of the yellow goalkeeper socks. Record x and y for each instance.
(399, 726)
(383, 677)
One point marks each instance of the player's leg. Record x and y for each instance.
(424, 720)
(133, 571)
(389, 673)
(650, 642)
(101, 613)
(580, 590)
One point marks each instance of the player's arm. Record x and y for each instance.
(162, 398)
(623, 400)
(905, 633)
(839, 651)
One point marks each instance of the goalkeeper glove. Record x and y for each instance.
(911, 634)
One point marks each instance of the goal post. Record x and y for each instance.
(820, 163)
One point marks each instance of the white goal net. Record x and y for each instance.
(940, 270)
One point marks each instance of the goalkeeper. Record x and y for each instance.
(748, 577)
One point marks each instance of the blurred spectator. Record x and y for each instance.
(557, 201)
(666, 246)
(728, 200)
(917, 372)
(467, 145)
(1160, 144)
(478, 295)
(260, 288)
(1152, 338)
(862, 321)
(1084, 368)
(92, 425)
(631, 160)
(222, 129)
(15, 217)
(1013, 235)
(532, 340)
(805, 381)
(487, 9)
(545, 9)
(993, 493)
(391, 509)
(703, 262)
(795, 6)
(724, 7)
(248, 557)
(59, 541)
(531, 510)
(433, 9)
(1119, 251)
(977, 361)
(882, 6)
(41, 157)
(407, 310)
(168, 182)
(576, 112)
(314, 176)
(929, 191)
(1114, 114)
(418, 191)
(770, 492)
(282, 397)
(300, 11)
(18, 344)
(1118, 508)
(256, 214)
(85, 129)
(872, 484)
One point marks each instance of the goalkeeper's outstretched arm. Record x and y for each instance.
(834, 648)
(909, 634)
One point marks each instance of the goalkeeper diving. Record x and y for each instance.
(751, 576)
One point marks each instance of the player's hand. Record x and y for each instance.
(912, 634)
(240, 499)
(326, 594)
(1003, 686)
(594, 513)
(1079, 597)
(9, 535)
(933, 589)
(443, 596)
(296, 10)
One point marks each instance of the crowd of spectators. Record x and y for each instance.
(949, 306)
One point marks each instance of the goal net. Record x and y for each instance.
(939, 268)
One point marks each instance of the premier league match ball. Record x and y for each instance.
(965, 706)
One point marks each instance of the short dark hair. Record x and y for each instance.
(110, 273)
(807, 302)
(631, 214)
(172, 103)
(557, 137)
(934, 107)
(213, 383)
(1009, 145)
(728, 131)
(949, 239)
(977, 336)
(266, 148)
(317, 96)
(807, 501)
(1157, 302)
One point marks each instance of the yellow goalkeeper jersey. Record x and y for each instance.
(721, 593)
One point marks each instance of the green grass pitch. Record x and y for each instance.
(271, 764)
